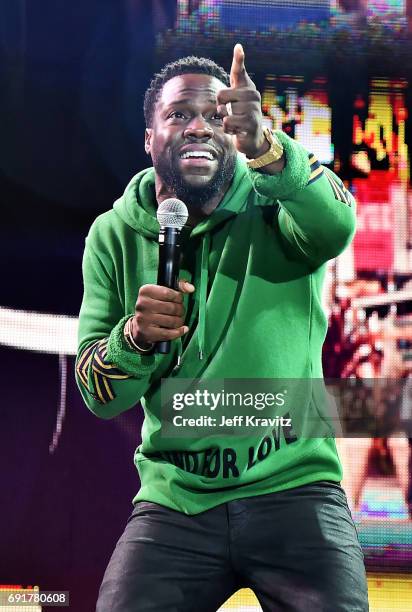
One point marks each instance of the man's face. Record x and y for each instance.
(191, 154)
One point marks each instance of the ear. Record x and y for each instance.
(148, 140)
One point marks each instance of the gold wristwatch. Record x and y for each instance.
(273, 155)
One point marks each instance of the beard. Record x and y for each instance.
(167, 166)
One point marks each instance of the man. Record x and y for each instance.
(217, 512)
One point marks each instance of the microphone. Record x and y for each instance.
(172, 214)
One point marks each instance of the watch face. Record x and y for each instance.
(273, 155)
(269, 135)
(276, 148)
(273, 139)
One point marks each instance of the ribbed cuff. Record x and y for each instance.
(294, 176)
(126, 359)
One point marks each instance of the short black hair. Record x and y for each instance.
(186, 65)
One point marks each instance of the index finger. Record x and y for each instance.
(238, 75)
(163, 294)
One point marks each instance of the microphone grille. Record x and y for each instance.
(172, 213)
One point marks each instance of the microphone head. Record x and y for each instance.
(172, 213)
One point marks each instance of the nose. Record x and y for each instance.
(198, 128)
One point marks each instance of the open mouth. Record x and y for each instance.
(198, 156)
(201, 155)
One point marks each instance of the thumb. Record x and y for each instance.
(186, 287)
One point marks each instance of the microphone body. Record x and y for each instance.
(172, 214)
(168, 271)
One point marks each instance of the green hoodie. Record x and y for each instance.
(258, 264)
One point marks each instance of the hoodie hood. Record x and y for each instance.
(137, 206)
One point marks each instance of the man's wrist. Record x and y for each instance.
(273, 168)
(262, 149)
(141, 347)
(269, 158)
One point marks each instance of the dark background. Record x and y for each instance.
(72, 80)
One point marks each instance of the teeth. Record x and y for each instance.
(204, 154)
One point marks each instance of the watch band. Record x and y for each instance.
(273, 155)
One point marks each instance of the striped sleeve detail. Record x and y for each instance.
(83, 363)
(339, 189)
(101, 366)
(93, 361)
(316, 169)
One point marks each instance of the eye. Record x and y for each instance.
(176, 115)
(217, 117)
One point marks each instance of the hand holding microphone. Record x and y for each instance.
(159, 311)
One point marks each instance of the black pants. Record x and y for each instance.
(298, 550)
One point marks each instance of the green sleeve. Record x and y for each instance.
(316, 212)
(111, 377)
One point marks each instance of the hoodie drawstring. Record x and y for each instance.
(200, 303)
(204, 278)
